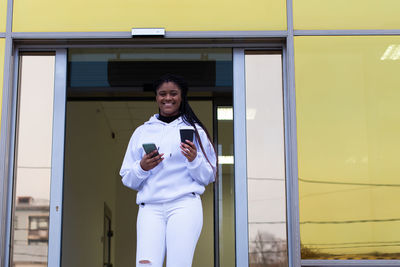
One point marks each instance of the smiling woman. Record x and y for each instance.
(169, 183)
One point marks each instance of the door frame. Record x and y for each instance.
(239, 105)
(57, 159)
(240, 158)
(290, 141)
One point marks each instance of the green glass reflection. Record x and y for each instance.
(348, 119)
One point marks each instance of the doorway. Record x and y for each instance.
(108, 96)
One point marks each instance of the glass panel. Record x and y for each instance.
(226, 185)
(341, 14)
(109, 75)
(131, 72)
(33, 161)
(265, 160)
(348, 119)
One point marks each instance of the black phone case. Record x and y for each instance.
(186, 134)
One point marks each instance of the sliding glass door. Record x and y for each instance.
(240, 94)
(260, 163)
(37, 198)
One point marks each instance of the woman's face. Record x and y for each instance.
(169, 99)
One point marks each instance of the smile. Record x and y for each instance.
(169, 104)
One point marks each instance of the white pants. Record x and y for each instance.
(173, 227)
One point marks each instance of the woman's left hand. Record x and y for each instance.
(189, 150)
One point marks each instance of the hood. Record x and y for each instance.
(154, 120)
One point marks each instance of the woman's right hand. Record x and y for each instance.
(147, 163)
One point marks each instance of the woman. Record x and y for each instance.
(169, 180)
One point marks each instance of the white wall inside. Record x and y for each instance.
(92, 161)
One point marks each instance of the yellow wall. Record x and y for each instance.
(174, 15)
(3, 15)
(348, 117)
(2, 46)
(346, 14)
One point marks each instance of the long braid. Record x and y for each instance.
(190, 118)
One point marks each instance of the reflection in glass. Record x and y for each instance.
(33, 161)
(348, 123)
(265, 161)
(131, 72)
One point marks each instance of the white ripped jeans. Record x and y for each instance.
(173, 227)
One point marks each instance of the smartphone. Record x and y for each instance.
(186, 134)
(150, 147)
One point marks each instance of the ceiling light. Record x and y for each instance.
(227, 160)
(225, 113)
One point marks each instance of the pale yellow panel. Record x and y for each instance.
(2, 46)
(346, 14)
(348, 122)
(174, 15)
(3, 15)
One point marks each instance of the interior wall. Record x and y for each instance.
(91, 161)
(125, 226)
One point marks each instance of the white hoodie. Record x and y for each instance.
(175, 176)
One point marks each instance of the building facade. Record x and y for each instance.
(301, 98)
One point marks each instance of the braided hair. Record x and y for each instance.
(185, 110)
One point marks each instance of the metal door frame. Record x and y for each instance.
(57, 157)
(290, 139)
(239, 106)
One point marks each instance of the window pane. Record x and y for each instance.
(265, 160)
(33, 161)
(122, 72)
(33, 224)
(226, 182)
(348, 119)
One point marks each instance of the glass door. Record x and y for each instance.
(38, 161)
(260, 164)
(266, 176)
(246, 210)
